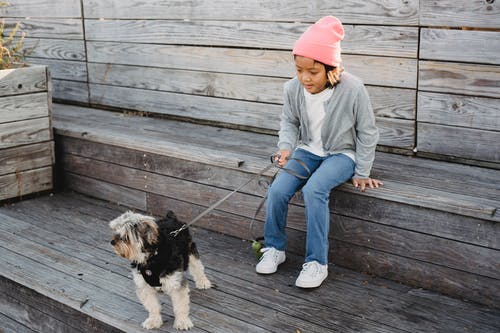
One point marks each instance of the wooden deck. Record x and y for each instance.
(59, 274)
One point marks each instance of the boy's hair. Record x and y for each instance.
(334, 77)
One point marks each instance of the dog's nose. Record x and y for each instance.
(113, 242)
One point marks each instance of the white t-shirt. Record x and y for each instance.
(315, 109)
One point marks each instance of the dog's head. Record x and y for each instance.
(133, 235)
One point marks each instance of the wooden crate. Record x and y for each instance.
(26, 140)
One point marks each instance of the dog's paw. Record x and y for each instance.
(203, 283)
(183, 323)
(152, 322)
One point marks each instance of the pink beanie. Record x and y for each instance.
(321, 41)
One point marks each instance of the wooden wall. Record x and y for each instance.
(54, 30)
(431, 81)
(26, 140)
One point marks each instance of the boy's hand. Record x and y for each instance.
(282, 157)
(363, 182)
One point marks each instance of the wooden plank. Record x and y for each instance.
(63, 69)
(63, 49)
(244, 34)
(393, 102)
(22, 107)
(474, 144)
(48, 27)
(23, 80)
(242, 61)
(26, 182)
(71, 91)
(392, 72)
(28, 157)
(418, 219)
(258, 115)
(164, 147)
(460, 45)
(230, 86)
(457, 78)
(419, 274)
(11, 326)
(120, 194)
(396, 132)
(457, 110)
(461, 13)
(42, 8)
(25, 132)
(438, 175)
(350, 11)
(234, 60)
(438, 251)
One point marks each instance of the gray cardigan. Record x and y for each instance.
(349, 123)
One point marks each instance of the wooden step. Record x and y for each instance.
(433, 224)
(60, 275)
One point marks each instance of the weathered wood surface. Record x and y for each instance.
(28, 157)
(52, 8)
(459, 111)
(25, 132)
(253, 150)
(20, 107)
(459, 13)
(23, 80)
(26, 146)
(352, 11)
(40, 27)
(23, 183)
(85, 275)
(459, 78)
(460, 45)
(416, 187)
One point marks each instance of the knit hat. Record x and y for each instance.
(321, 41)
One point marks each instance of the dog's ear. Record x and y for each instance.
(170, 215)
(148, 230)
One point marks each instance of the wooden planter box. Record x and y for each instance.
(26, 139)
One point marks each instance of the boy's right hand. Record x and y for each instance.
(282, 156)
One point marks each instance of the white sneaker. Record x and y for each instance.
(312, 275)
(270, 260)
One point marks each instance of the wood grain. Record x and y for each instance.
(461, 13)
(461, 111)
(351, 11)
(458, 78)
(19, 107)
(460, 45)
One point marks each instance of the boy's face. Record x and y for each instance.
(311, 74)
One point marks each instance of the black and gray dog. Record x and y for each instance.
(159, 260)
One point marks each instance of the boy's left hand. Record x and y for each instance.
(362, 183)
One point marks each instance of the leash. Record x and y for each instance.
(274, 163)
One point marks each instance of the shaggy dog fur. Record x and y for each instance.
(159, 260)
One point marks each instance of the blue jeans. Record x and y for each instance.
(326, 173)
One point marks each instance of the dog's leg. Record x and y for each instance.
(197, 271)
(149, 298)
(175, 285)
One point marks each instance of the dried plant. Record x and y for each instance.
(11, 46)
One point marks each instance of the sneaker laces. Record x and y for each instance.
(311, 268)
(269, 253)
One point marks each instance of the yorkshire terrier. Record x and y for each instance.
(159, 257)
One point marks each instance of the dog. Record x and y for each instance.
(159, 259)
